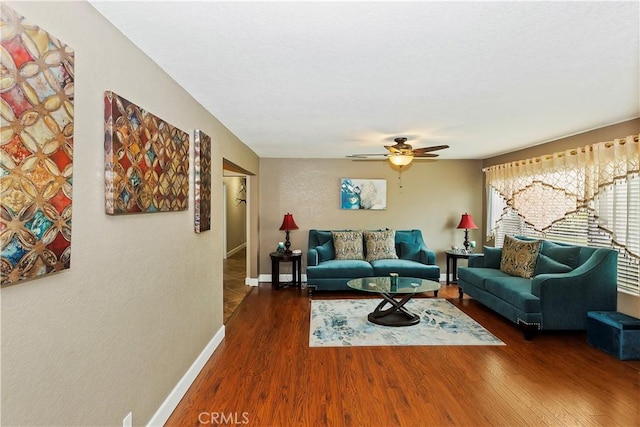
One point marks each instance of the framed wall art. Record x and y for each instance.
(202, 172)
(36, 150)
(146, 160)
(363, 194)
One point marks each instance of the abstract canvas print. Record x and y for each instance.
(146, 160)
(202, 166)
(363, 194)
(36, 150)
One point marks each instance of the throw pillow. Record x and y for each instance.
(380, 244)
(567, 255)
(348, 244)
(492, 257)
(519, 257)
(546, 265)
(410, 251)
(325, 251)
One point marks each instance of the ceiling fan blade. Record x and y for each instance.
(362, 156)
(428, 149)
(424, 155)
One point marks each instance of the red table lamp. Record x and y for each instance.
(288, 224)
(467, 223)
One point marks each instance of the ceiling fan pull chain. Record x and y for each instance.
(400, 178)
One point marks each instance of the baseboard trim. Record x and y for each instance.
(236, 249)
(169, 405)
(283, 278)
(251, 282)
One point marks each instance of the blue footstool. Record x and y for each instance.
(614, 333)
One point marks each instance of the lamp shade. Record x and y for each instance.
(401, 159)
(288, 223)
(466, 222)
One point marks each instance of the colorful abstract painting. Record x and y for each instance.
(146, 160)
(363, 194)
(202, 205)
(36, 150)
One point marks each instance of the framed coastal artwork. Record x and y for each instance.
(146, 160)
(369, 194)
(36, 150)
(202, 172)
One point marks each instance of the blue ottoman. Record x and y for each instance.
(614, 333)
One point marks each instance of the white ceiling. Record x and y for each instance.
(328, 79)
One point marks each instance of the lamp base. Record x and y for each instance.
(466, 240)
(287, 244)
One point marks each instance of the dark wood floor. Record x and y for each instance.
(234, 287)
(264, 373)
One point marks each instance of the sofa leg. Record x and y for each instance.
(529, 331)
(460, 292)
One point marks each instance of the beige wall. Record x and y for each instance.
(236, 213)
(626, 303)
(434, 196)
(143, 297)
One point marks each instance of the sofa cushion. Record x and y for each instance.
(380, 244)
(348, 244)
(325, 251)
(405, 268)
(519, 256)
(546, 265)
(409, 251)
(341, 269)
(492, 257)
(515, 291)
(567, 255)
(478, 276)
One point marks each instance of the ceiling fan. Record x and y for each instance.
(401, 153)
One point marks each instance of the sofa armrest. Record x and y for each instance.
(565, 298)
(312, 257)
(476, 260)
(427, 256)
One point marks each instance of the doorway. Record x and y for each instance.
(234, 241)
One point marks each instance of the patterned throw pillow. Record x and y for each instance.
(380, 244)
(348, 244)
(519, 257)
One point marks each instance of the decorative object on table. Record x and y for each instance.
(37, 150)
(466, 223)
(343, 323)
(146, 160)
(369, 194)
(288, 224)
(280, 248)
(202, 187)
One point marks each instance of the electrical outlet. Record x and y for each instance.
(128, 420)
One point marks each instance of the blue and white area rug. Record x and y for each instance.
(343, 323)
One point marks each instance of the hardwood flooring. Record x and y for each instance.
(265, 374)
(234, 287)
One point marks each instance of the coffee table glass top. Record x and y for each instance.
(406, 285)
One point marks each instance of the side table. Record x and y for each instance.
(296, 262)
(452, 258)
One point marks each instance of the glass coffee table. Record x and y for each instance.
(395, 314)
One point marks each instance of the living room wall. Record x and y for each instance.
(143, 297)
(434, 194)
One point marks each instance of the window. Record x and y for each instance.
(591, 200)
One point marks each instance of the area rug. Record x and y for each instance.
(343, 323)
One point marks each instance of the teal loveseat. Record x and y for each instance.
(325, 273)
(556, 298)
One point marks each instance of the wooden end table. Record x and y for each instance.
(296, 262)
(452, 258)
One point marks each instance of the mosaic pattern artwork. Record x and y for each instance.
(343, 323)
(363, 194)
(146, 160)
(202, 205)
(36, 150)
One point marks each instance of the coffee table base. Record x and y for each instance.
(396, 314)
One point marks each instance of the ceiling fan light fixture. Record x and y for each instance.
(401, 159)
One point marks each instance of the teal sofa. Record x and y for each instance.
(549, 300)
(325, 273)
